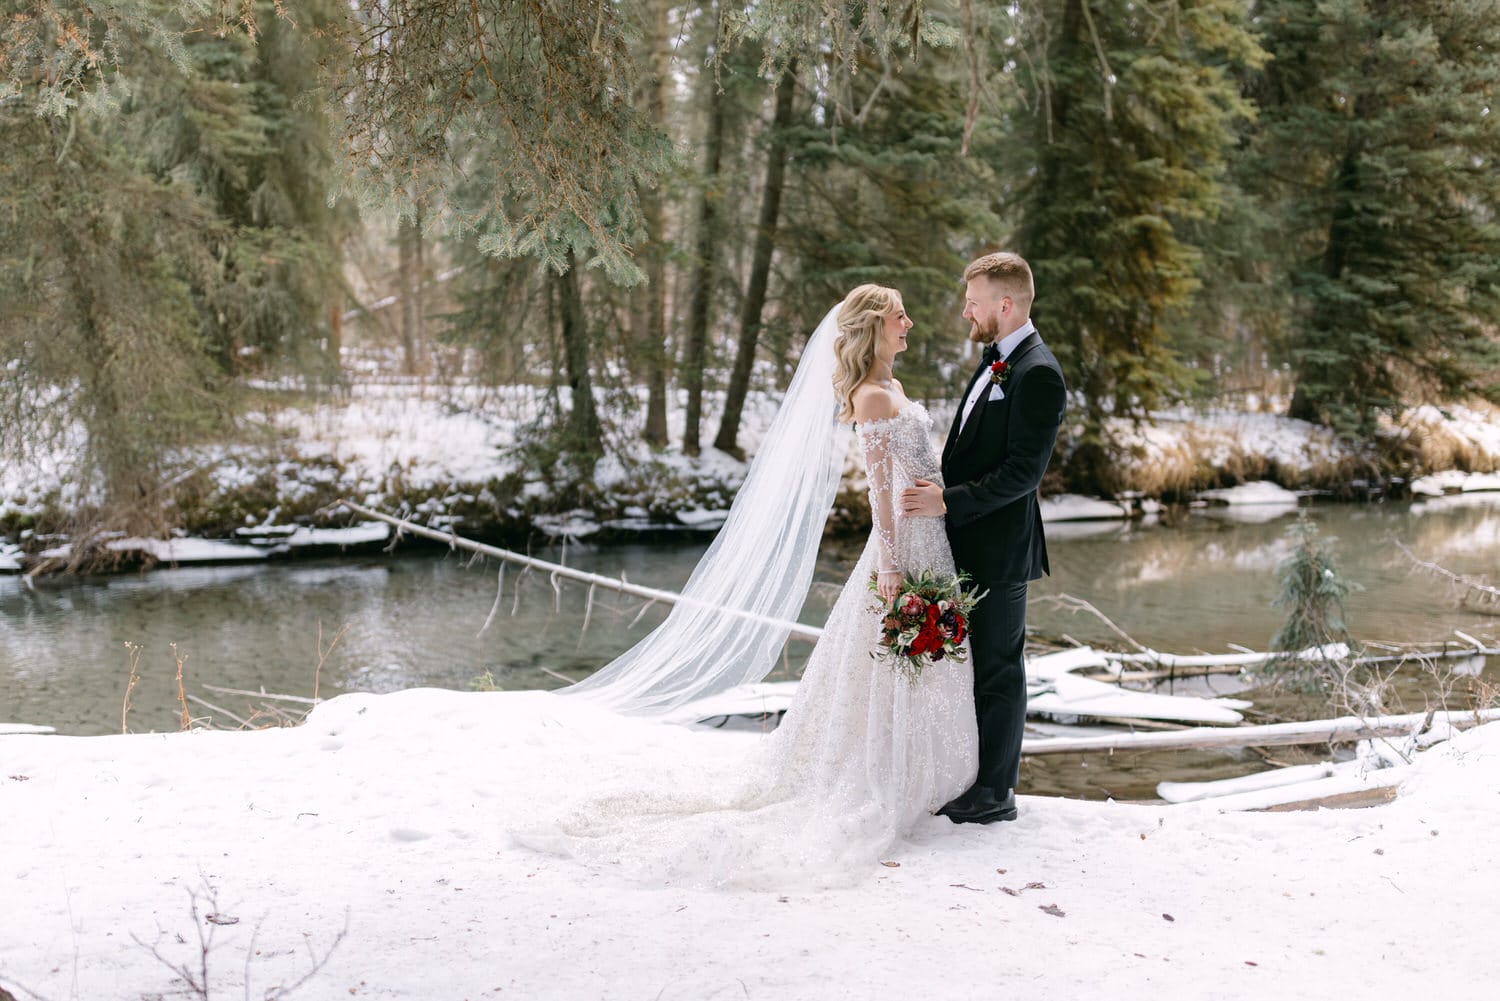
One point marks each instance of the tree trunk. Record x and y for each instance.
(649, 319)
(703, 268)
(409, 282)
(583, 432)
(760, 265)
(1309, 404)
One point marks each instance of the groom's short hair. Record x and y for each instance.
(1010, 274)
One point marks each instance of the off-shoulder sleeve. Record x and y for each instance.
(880, 472)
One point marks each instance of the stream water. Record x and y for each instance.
(1204, 581)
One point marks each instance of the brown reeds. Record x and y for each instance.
(133, 679)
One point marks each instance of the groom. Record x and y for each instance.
(993, 460)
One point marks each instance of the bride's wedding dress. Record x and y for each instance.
(862, 755)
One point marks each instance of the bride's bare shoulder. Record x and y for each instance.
(873, 403)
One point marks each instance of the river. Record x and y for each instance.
(1203, 581)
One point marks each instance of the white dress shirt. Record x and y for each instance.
(1007, 344)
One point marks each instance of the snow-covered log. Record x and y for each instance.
(1343, 730)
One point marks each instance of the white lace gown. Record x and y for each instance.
(862, 755)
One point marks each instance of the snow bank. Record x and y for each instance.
(1260, 492)
(1455, 481)
(188, 550)
(387, 812)
(1075, 507)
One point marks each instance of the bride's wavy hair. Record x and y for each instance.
(861, 318)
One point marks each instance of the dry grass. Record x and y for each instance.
(184, 719)
(133, 652)
(1434, 444)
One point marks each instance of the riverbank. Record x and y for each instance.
(376, 831)
(469, 459)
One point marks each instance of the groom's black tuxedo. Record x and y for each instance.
(992, 466)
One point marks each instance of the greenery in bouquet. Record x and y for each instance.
(926, 621)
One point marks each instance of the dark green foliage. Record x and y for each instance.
(1375, 160)
(171, 223)
(241, 128)
(98, 263)
(1130, 113)
(891, 200)
(1312, 592)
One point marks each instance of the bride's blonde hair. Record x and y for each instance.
(861, 318)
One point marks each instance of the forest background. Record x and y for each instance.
(623, 217)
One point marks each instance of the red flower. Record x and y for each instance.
(999, 372)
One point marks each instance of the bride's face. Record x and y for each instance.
(893, 335)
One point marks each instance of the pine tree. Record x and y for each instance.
(1376, 149)
(238, 127)
(1313, 593)
(891, 198)
(98, 263)
(1129, 113)
(164, 214)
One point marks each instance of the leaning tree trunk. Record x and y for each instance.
(703, 269)
(760, 265)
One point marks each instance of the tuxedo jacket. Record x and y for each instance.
(994, 465)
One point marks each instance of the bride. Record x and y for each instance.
(863, 754)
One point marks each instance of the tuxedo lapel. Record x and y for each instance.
(971, 428)
(954, 432)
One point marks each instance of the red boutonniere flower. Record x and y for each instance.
(999, 372)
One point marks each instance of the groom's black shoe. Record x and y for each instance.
(980, 805)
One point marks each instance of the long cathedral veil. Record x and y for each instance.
(728, 628)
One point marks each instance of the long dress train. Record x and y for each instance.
(860, 757)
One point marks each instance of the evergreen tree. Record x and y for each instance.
(546, 84)
(1376, 147)
(1313, 593)
(1121, 134)
(98, 263)
(240, 128)
(889, 198)
(162, 217)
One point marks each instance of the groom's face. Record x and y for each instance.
(984, 307)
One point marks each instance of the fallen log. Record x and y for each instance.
(555, 571)
(1344, 730)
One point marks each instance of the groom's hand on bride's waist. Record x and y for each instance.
(924, 499)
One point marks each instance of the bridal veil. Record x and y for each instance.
(735, 612)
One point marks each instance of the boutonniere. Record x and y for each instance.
(999, 372)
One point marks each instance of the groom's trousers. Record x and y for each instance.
(997, 642)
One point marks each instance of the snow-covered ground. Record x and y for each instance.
(386, 815)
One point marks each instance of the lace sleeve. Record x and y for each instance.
(879, 471)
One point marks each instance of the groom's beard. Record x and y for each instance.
(984, 333)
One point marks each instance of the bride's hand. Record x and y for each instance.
(888, 584)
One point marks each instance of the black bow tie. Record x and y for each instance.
(991, 354)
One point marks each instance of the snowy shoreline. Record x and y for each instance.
(454, 458)
(387, 813)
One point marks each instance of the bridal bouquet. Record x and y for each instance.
(926, 621)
